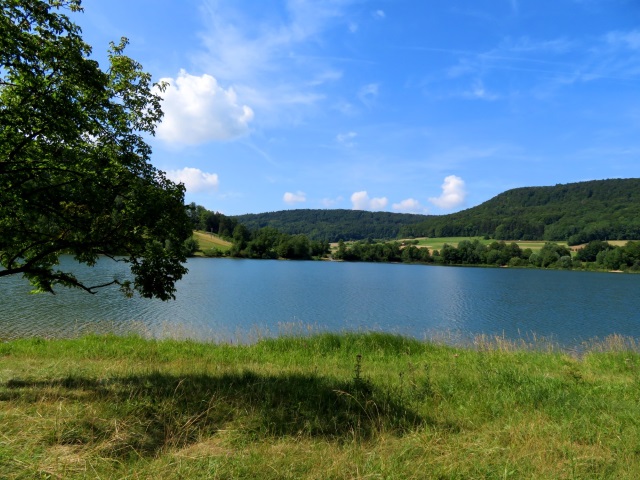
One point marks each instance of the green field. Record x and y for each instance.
(372, 406)
(437, 243)
(209, 240)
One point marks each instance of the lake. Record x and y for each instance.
(243, 300)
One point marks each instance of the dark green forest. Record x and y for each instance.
(575, 212)
(332, 225)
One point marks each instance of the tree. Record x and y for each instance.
(75, 172)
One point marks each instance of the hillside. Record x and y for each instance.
(333, 225)
(574, 212)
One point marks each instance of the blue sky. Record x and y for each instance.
(423, 106)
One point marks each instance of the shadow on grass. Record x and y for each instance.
(143, 414)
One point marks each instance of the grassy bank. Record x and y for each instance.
(326, 406)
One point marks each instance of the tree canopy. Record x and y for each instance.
(75, 171)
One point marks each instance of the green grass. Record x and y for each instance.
(208, 241)
(324, 406)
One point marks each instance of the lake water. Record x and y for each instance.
(241, 300)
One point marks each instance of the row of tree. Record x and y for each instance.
(595, 255)
(269, 243)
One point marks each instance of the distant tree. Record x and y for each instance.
(590, 251)
(550, 253)
(75, 172)
(341, 251)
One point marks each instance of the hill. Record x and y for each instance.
(332, 225)
(573, 212)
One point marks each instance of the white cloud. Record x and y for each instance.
(346, 139)
(453, 193)
(379, 14)
(361, 201)
(194, 179)
(199, 110)
(410, 205)
(293, 198)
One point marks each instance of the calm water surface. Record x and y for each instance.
(240, 300)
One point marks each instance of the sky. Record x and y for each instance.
(413, 106)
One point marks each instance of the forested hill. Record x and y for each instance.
(576, 212)
(333, 225)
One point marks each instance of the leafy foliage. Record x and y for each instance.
(212, 222)
(75, 175)
(269, 243)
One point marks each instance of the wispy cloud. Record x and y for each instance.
(535, 67)
(346, 139)
(331, 202)
(630, 40)
(265, 55)
(479, 92)
(368, 94)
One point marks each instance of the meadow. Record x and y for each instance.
(437, 243)
(349, 405)
(208, 241)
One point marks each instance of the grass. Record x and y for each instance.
(324, 406)
(437, 243)
(208, 241)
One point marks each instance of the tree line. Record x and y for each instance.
(596, 255)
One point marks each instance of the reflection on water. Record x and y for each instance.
(242, 300)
